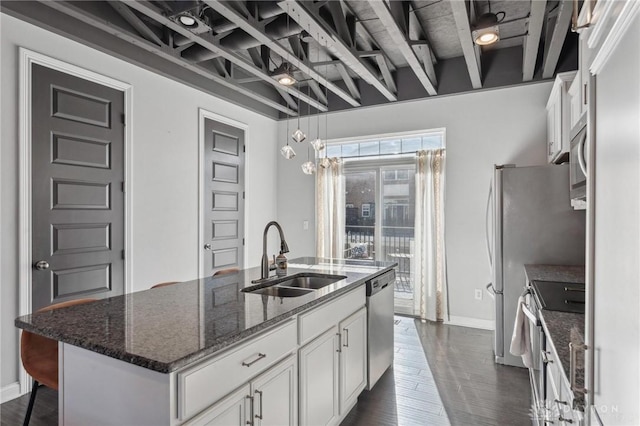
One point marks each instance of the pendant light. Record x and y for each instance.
(298, 135)
(325, 162)
(318, 144)
(287, 151)
(308, 167)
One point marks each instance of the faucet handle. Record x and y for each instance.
(272, 264)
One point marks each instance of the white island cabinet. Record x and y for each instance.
(308, 369)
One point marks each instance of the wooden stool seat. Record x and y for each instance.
(164, 284)
(226, 271)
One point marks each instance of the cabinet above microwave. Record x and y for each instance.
(559, 119)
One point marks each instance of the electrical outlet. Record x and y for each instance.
(478, 293)
(305, 225)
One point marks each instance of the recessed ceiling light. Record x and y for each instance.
(187, 20)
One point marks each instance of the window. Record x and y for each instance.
(404, 144)
(366, 210)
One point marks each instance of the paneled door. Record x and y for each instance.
(77, 188)
(223, 183)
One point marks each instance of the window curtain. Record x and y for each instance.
(330, 209)
(429, 252)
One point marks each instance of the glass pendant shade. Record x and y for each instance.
(325, 163)
(298, 136)
(318, 145)
(287, 152)
(309, 167)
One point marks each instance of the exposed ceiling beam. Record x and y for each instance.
(552, 55)
(256, 30)
(307, 16)
(296, 46)
(418, 33)
(399, 35)
(532, 41)
(461, 16)
(369, 44)
(210, 43)
(348, 80)
(163, 51)
(136, 22)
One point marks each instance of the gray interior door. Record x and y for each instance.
(77, 188)
(223, 183)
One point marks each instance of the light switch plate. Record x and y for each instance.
(305, 225)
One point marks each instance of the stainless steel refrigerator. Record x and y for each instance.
(529, 221)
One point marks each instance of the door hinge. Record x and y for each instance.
(123, 118)
(243, 241)
(244, 148)
(122, 186)
(122, 254)
(243, 195)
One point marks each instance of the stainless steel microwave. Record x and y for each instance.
(578, 161)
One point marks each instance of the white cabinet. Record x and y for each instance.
(353, 358)
(319, 376)
(333, 365)
(271, 399)
(558, 119)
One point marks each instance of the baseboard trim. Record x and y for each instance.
(471, 322)
(9, 392)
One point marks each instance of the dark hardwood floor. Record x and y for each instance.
(456, 383)
(458, 374)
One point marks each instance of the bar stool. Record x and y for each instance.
(164, 284)
(40, 357)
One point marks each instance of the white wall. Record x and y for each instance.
(483, 128)
(164, 176)
(617, 234)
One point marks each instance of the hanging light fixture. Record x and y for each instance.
(318, 144)
(287, 151)
(486, 30)
(325, 162)
(308, 167)
(298, 135)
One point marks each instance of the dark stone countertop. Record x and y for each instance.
(167, 328)
(559, 273)
(562, 327)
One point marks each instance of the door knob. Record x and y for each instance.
(41, 265)
(207, 246)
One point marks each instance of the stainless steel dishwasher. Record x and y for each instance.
(380, 325)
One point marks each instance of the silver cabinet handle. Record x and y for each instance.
(41, 265)
(259, 399)
(339, 342)
(207, 246)
(562, 419)
(250, 420)
(346, 337)
(572, 366)
(557, 401)
(249, 364)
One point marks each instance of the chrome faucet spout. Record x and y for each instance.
(284, 248)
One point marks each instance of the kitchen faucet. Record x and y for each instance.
(284, 248)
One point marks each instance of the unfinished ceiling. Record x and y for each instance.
(343, 53)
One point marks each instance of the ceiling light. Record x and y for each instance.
(284, 74)
(486, 30)
(187, 20)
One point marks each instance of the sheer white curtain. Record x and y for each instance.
(330, 209)
(429, 252)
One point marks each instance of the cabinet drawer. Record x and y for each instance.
(314, 323)
(202, 385)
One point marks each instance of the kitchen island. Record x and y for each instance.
(206, 352)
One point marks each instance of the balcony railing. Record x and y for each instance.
(395, 245)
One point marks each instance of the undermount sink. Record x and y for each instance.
(310, 281)
(295, 285)
(281, 291)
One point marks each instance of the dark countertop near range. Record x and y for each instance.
(562, 327)
(166, 328)
(559, 273)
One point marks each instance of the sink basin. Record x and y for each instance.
(281, 291)
(295, 285)
(311, 281)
